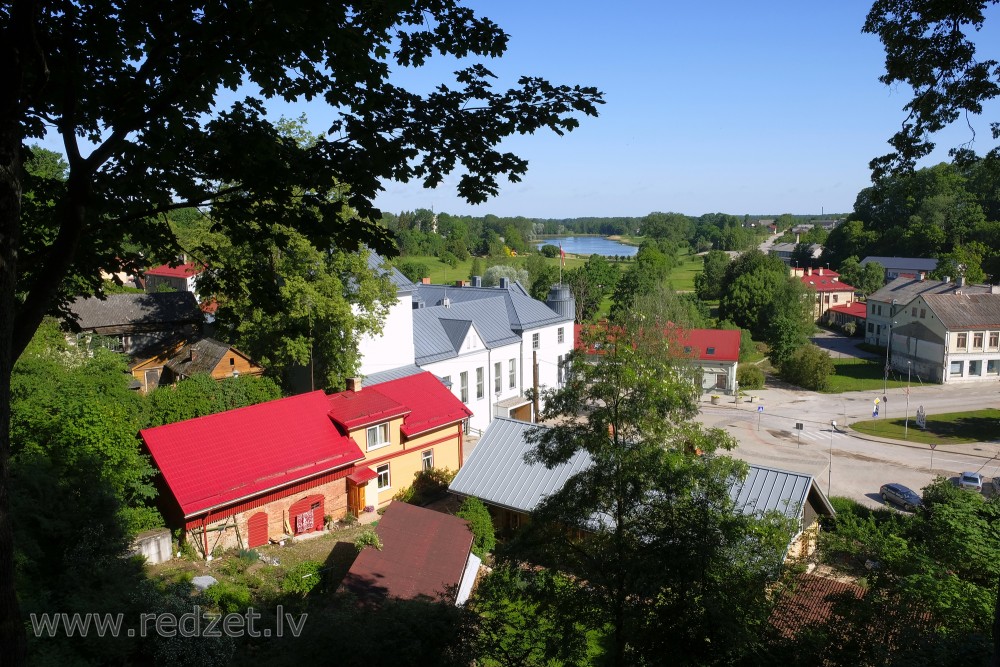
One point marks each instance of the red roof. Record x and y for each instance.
(703, 344)
(362, 475)
(181, 271)
(215, 460)
(353, 409)
(431, 404)
(810, 604)
(424, 554)
(826, 282)
(855, 309)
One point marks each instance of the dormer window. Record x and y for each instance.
(710, 350)
(378, 436)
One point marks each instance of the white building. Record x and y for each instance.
(483, 342)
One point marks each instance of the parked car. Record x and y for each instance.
(971, 480)
(901, 495)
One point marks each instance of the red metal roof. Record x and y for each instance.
(353, 409)
(826, 282)
(703, 344)
(424, 554)
(855, 309)
(215, 460)
(431, 404)
(362, 475)
(181, 271)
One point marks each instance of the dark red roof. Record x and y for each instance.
(855, 309)
(181, 271)
(810, 603)
(353, 409)
(431, 404)
(215, 460)
(702, 344)
(826, 282)
(423, 556)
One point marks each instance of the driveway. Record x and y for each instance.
(840, 346)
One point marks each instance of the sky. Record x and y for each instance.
(729, 106)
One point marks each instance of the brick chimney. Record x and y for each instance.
(821, 270)
(809, 271)
(354, 384)
(425, 281)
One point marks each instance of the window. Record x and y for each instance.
(232, 361)
(480, 382)
(446, 381)
(497, 379)
(993, 367)
(962, 341)
(836, 297)
(913, 312)
(383, 476)
(427, 460)
(994, 338)
(534, 341)
(559, 365)
(710, 350)
(956, 368)
(923, 313)
(463, 380)
(871, 327)
(512, 374)
(977, 341)
(561, 335)
(976, 367)
(378, 436)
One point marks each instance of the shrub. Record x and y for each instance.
(413, 270)
(350, 519)
(449, 258)
(850, 328)
(406, 495)
(550, 250)
(303, 577)
(750, 377)
(480, 523)
(229, 597)
(429, 485)
(367, 538)
(809, 367)
(495, 273)
(249, 555)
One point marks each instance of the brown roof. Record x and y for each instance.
(810, 603)
(423, 556)
(964, 311)
(201, 356)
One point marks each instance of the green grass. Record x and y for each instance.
(955, 428)
(682, 277)
(859, 375)
(441, 273)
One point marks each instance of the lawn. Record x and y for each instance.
(955, 428)
(682, 277)
(860, 375)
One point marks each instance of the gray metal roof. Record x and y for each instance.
(905, 290)
(392, 374)
(136, 309)
(436, 329)
(523, 312)
(378, 264)
(964, 311)
(926, 264)
(497, 474)
(770, 489)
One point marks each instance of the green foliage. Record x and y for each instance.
(201, 395)
(750, 377)
(477, 268)
(850, 329)
(550, 250)
(590, 284)
(495, 273)
(480, 523)
(349, 519)
(367, 538)
(413, 270)
(708, 283)
(302, 578)
(430, 485)
(809, 367)
(229, 597)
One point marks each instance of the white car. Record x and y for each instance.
(971, 480)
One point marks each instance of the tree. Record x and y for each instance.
(202, 395)
(413, 270)
(928, 48)
(670, 567)
(480, 523)
(707, 284)
(809, 367)
(133, 94)
(498, 271)
(550, 250)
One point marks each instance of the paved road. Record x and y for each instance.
(860, 464)
(840, 346)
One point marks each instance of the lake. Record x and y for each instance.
(590, 245)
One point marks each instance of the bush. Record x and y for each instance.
(429, 485)
(413, 270)
(495, 273)
(349, 519)
(368, 538)
(750, 377)
(809, 367)
(850, 328)
(228, 597)
(303, 577)
(550, 250)
(449, 258)
(480, 523)
(406, 495)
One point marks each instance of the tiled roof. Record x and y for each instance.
(965, 311)
(136, 309)
(855, 309)
(423, 556)
(216, 460)
(181, 271)
(353, 409)
(904, 290)
(201, 356)
(810, 603)
(430, 404)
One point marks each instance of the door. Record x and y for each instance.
(306, 515)
(356, 497)
(257, 530)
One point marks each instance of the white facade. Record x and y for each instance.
(394, 346)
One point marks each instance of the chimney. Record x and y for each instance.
(459, 283)
(354, 384)
(796, 239)
(191, 354)
(821, 270)
(446, 302)
(809, 271)
(960, 281)
(477, 281)
(425, 281)
(922, 276)
(505, 283)
(947, 279)
(994, 289)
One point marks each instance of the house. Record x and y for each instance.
(425, 555)
(903, 267)
(891, 299)
(784, 251)
(486, 343)
(809, 603)
(712, 354)
(402, 426)
(843, 314)
(177, 359)
(948, 338)
(498, 475)
(135, 321)
(180, 278)
(829, 290)
(243, 477)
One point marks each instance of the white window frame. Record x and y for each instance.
(463, 381)
(512, 373)
(961, 341)
(956, 373)
(377, 431)
(497, 377)
(994, 338)
(981, 337)
(535, 341)
(561, 335)
(427, 459)
(480, 383)
(380, 471)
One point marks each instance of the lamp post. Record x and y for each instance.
(906, 424)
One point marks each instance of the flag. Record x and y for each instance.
(562, 256)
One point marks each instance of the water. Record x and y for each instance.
(590, 245)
